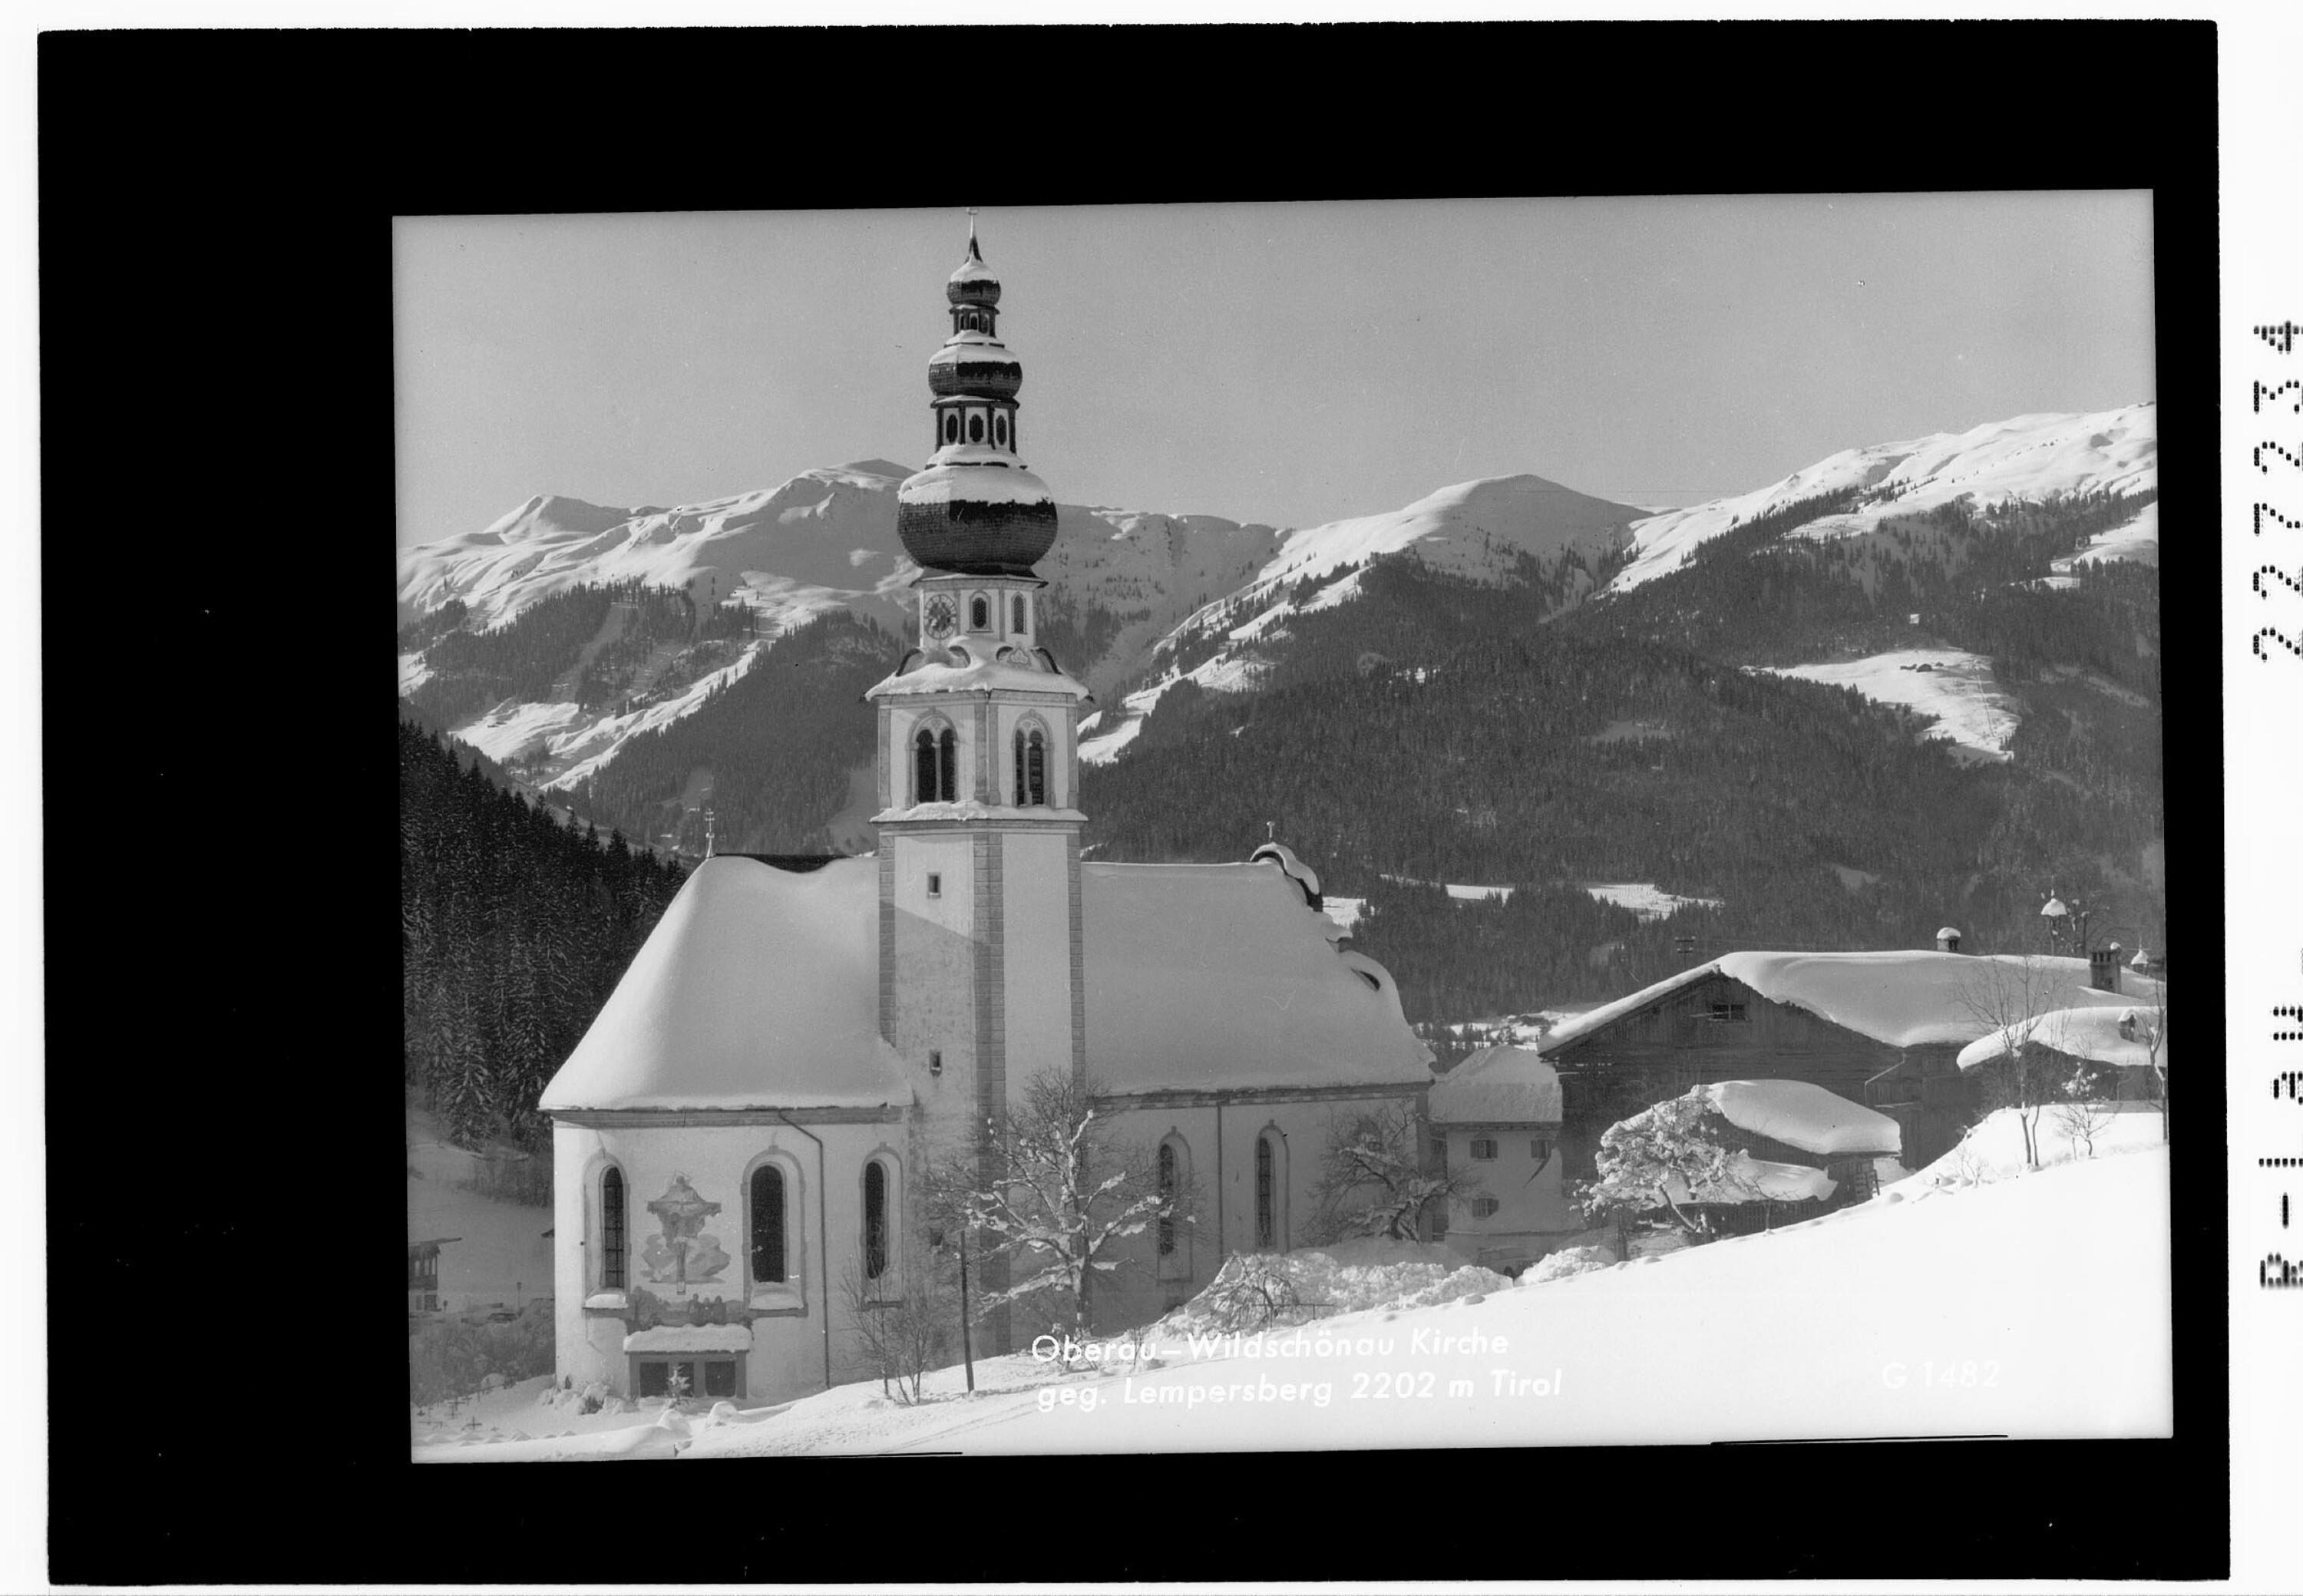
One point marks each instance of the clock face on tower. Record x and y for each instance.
(942, 615)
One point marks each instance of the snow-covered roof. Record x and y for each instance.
(1903, 998)
(1912, 999)
(977, 483)
(973, 347)
(1754, 1179)
(965, 669)
(2092, 1032)
(1607, 1014)
(1498, 1086)
(1203, 976)
(758, 989)
(1280, 854)
(1944, 931)
(1804, 1115)
(691, 1338)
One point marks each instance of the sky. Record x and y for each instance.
(1285, 363)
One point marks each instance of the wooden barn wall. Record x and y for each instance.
(1663, 1051)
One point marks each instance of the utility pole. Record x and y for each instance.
(966, 1342)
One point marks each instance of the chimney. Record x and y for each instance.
(2103, 968)
(1947, 939)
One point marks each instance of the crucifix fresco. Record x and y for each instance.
(685, 1253)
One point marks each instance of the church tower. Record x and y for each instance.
(978, 769)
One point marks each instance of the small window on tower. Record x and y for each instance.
(979, 613)
(1023, 623)
(951, 426)
(999, 430)
(976, 427)
(935, 884)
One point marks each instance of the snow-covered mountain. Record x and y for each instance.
(2032, 458)
(1492, 531)
(1154, 598)
(1133, 581)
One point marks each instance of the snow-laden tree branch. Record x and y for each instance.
(1376, 1179)
(1058, 1193)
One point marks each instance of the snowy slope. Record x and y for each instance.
(1971, 712)
(2028, 456)
(1484, 530)
(2034, 1307)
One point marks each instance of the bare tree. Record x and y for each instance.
(1375, 1178)
(2153, 1038)
(2086, 1108)
(902, 1326)
(1057, 1193)
(2009, 993)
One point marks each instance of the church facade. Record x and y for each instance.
(738, 1139)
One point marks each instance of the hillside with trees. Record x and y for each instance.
(514, 929)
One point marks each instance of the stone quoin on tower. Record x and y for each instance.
(974, 511)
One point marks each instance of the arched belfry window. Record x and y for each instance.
(612, 1230)
(979, 613)
(768, 1263)
(999, 430)
(935, 765)
(1031, 766)
(1023, 617)
(976, 426)
(951, 426)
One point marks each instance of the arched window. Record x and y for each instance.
(1267, 1195)
(612, 1230)
(999, 430)
(875, 1219)
(979, 613)
(935, 765)
(976, 427)
(1031, 766)
(767, 1225)
(1023, 617)
(951, 426)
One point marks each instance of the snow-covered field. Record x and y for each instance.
(1645, 899)
(2028, 456)
(1982, 1300)
(1971, 712)
(501, 1255)
(2136, 540)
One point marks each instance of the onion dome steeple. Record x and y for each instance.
(975, 509)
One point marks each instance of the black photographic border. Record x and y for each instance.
(216, 212)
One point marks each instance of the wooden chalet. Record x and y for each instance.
(1883, 1029)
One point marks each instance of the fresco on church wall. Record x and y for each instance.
(683, 1253)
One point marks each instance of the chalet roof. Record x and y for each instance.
(1497, 1085)
(759, 989)
(2091, 1032)
(1804, 1115)
(1903, 998)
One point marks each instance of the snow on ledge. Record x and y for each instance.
(691, 1338)
(614, 1302)
(1804, 1115)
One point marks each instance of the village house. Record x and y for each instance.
(739, 1139)
(1880, 1028)
(1495, 1116)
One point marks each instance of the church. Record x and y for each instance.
(737, 1138)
